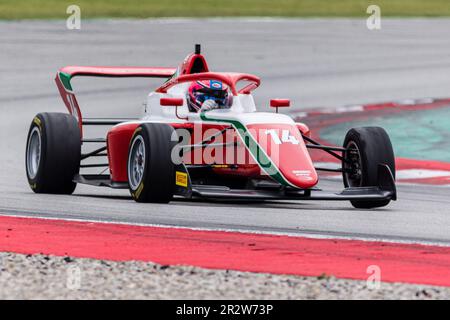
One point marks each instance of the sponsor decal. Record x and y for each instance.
(215, 84)
(37, 121)
(220, 166)
(181, 179)
(306, 174)
(138, 191)
(138, 129)
(302, 173)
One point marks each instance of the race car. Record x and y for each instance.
(201, 137)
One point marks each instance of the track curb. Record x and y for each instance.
(351, 259)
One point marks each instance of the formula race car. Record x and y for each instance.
(201, 137)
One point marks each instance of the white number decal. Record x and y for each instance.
(286, 136)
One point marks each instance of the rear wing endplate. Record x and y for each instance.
(66, 74)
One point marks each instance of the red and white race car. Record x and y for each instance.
(232, 152)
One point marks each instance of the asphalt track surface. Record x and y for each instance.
(316, 63)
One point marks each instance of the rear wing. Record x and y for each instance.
(66, 74)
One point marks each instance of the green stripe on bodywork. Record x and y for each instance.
(65, 79)
(258, 153)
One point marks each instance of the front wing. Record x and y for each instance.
(385, 190)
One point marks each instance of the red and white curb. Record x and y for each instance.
(402, 105)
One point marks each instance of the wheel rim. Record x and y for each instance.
(34, 153)
(353, 165)
(136, 163)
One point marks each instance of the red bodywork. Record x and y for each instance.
(118, 141)
(119, 138)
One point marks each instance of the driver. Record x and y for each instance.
(208, 95)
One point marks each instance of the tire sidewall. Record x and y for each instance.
(36, 182)
(371, 157)
(158, 181)
(374, 148)
(60, 154)
(137, 193)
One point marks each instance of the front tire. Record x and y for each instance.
(151, 171)
(53, 153)
(366, 148)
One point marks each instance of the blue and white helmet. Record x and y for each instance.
(200, 91)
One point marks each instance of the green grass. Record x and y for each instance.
(54, 9)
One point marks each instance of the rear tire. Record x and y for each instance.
(53, 153)
(151, 171)
(368, 147)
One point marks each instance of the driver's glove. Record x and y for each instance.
(209, 105)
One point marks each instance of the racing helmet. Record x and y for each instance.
(200, 91)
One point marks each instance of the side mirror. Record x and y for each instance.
(172, 102)
(280, 103)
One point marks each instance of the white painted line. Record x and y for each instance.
(244, 231)
(357, 108)
(421, 174)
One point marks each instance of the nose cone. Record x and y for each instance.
(284, 154)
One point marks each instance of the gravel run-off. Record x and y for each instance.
(50, 277)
